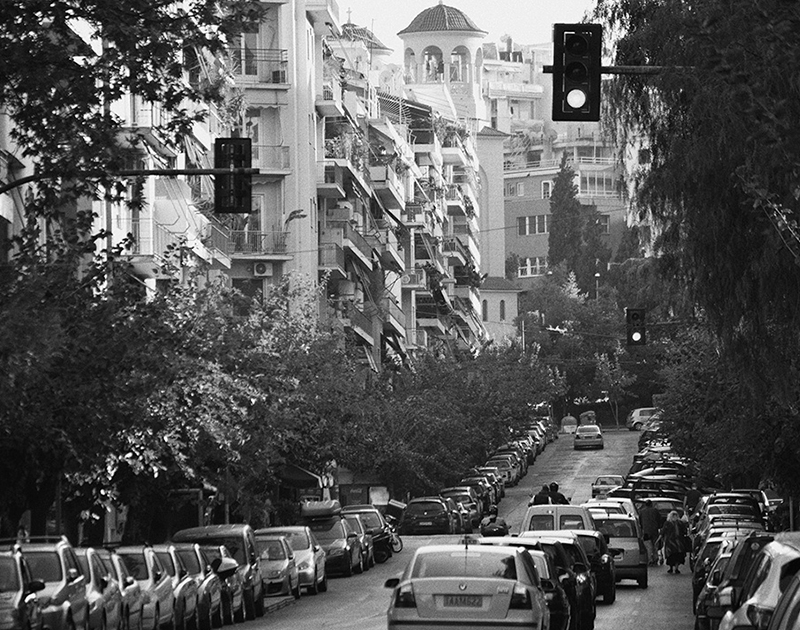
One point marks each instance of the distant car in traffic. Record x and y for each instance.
(588, 436)
(604, 483)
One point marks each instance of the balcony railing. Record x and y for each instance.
(149, 237)
(264, 65)
(218, 238)
(249, 242)
(393, 308)
(358, 318)
(331, 255)
(269, 156)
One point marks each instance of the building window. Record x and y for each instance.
(502, 310)
(547, 189)
(520, 189)
(598, 185)
(529, 267)
(485, 311)
(604, 221)
(534, 224)
(515, 190)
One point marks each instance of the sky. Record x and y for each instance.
(526, 21)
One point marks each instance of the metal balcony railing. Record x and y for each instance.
(266, 65)
(218, 238)
(393, 308)
(331, 255)
(149, 237)
(358, 318)
(269, 156)
(251, 242)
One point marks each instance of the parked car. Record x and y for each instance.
(227, 570)
(574, 571)
(52, 560)
(377, 526)
(601, 562)
(209, 586)
(626, 504)
(467, 497)
(240, 541)
(776, 564)
(308, 554)
(588, 436)
(102, 591)
(279, 565)
(132, 596)
(708, 554)
(708, 589)
(496, 476)
(604, 483)
(787, 613)
(156, 584)
(638, 417)
(184, 587)
(341, 544)
(626, 544)
(364, 537)
(427, 515)
(20, 608)
(470, 586)
(552, 517)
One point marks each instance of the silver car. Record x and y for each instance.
(449, 586)
(309, 555)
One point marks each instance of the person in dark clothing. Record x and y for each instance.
(693, 497)
(542, 497)
(556, 497)
(492, 525)
(671, 538)
(651, 521)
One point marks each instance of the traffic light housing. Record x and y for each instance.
(636, 331)
(233, 191)
(577, 60)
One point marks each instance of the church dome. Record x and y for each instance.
(441, 18)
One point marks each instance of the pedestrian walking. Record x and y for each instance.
(671, 538)
(651, 521)
(691, 500)
(556, 497)
(542, 497)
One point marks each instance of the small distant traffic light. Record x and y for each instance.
(577, 57)
(232, 192)
(635, 326)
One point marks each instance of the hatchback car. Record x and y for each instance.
(787, 613)
(279, 564)
(427, 515)
(364, 537)
(155, 582)
(209, 586)
(184, 587)
(638, 417)
(708, 589)
(20, 608)
(601, 562)
(52, 560)
(588, 436)
(626, 544)
(308, 554)
(377, 526)
(102, 591)
(232, 588)
(468, 586)
(467, 497)
(341, 545)
(604, 483)
(240, 541)
(776, 564)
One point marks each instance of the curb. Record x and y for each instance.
(278, 603)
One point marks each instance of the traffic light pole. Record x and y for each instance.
(162, 172)
(621, 69)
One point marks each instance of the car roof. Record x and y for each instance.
(360, 507)
(282, 528)
(213, 531)
(560, 535)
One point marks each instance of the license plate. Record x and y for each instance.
(423, 523)
(463, 601)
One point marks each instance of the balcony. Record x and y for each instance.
(358, 322)
(330, 180)
(517, 91)
(254, 243)
(453, 152)
(330, 102)
(217, 239)
(349, 152)
(417, 337)
(415, 279)
(271, 159)
(469, 296)
(386, 245)
(332, 260)
(388, 186)
(455, 252)
(344, 235)
(324, 16)
(260, 67)
(147, 120)
(456, 203)
(394, 318)
(427, 145)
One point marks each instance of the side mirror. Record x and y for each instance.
(34, 586)
(226, 568)
(157, 576)
(103, 583)
(317, 548)
(391, 582)
(183, 573)
(129, 581)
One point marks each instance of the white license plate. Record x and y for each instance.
(463, 601)
(423, 523)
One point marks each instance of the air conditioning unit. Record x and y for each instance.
(262, 269)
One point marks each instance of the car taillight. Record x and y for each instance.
(759, 616)
(405, 597)
(520, 599)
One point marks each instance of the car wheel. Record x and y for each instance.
(323, 585)
(206, 621)
(313, 588)
(360, 566)
(218, 617)
(238, 615)
(260, 609)
(295, 590)
(610, 596)
(382, 555)
(637, 426)
(348, 570)
(371, 560)
(179, 621)
(642, 581)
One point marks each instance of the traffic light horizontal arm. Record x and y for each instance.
(620, 69)
(164, 172)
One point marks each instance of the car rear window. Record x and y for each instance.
(468, 563)
(297, 539)
(424, 507)
(9, 580)
(616, 529)
(571, 521)
(328, 530)
(270, 549)
(541, 521)
(44, 565)
(591, 429)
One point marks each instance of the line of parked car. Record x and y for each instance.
(460, 508)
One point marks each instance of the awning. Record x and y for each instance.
(294, 476)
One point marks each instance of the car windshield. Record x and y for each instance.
(423, 508)
(9, 579)
(190, 560)
(297, 539)
(328, 531)
(465, 563)
(355, 523)
(462, 497)
(270, 549)
(166, 560)
(44, 565)
(136, 564)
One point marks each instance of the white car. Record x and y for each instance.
(588, 436)
(637, 418)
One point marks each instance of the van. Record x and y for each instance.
(556, 517)
(241, 543)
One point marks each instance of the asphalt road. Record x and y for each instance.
(360, 602)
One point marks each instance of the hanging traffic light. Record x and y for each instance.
(577, 52)
(232, 191)
(635, 326)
